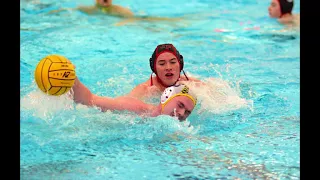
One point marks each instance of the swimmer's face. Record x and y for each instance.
(182, 105)
(274, 9)
(168, 68)
(105, 3)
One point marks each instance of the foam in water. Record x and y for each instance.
(45, 106)
(217, 96)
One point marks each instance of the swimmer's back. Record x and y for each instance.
(115, 10)
(296, 19)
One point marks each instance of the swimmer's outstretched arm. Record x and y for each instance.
(59, 10)
(81, 94)
(84, 9)
(88, 9)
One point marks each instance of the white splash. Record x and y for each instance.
(175, 113)
(217, 96)
(45, 106)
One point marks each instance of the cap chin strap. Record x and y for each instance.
(185, 75)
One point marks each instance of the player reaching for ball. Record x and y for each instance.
(177, 100)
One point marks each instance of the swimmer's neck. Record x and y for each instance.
(287, 19)
(287, 15)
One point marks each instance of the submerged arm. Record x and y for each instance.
(84, 9)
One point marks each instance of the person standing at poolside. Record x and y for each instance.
(282, 10)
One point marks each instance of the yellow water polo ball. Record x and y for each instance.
(55, 75)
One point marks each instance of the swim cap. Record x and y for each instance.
(165, 48)
(286, 6)
(177, 90)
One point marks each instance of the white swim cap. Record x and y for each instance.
(177, 90)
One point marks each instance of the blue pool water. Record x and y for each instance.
(247, 123)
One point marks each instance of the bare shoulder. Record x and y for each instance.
(143, 86)
(292, 22)
(289, 19)
(139, 91)
(183, 78)
(88, 9)
(121, 11)
(296, 19)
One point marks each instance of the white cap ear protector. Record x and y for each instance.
(177, 90)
